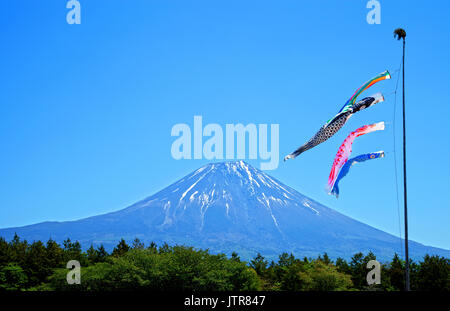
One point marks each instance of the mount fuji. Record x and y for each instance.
(226, 207)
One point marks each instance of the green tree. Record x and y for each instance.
(325, 259)
(36, 264)
(12, 277)
(4, 252)
(325, 277)
(121, 249)
(18, 250)
(434, 274)
(259, 264)
(285, 259)
(72, 251)
(55, 254)
(102, 254)
(92, 254)
(153, 247)
(296, 277)
(358, 271)
(165, 248)
(396, 273)
(343, 266)
(235, 257)
(125, 274)
(137, 244)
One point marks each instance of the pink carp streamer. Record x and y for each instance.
(346, 149)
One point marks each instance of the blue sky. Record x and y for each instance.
(87, 110)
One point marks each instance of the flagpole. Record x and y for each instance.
(401, 34)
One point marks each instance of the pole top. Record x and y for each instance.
(400, 33)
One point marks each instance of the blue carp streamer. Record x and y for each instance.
(346, 168)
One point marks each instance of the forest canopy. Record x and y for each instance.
(41, 266)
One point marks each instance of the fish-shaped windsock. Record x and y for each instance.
(346, 149)
(385, 75)
(346, 168)
(351, 106)
(334, 125)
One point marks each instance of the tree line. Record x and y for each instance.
(40, 267)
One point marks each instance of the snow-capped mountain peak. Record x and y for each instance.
(226, 207)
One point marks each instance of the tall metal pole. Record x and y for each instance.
(404, 178)
(401, 34)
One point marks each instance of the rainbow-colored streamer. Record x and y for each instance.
(385, 75)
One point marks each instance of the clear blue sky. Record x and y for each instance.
(87, 110)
